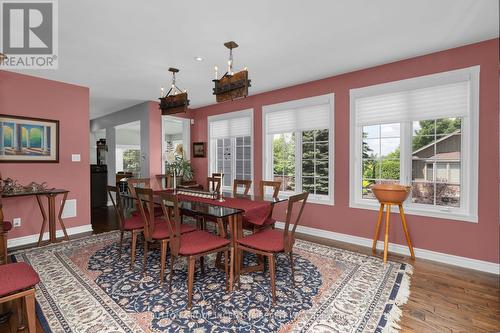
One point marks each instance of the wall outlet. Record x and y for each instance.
(16, 222)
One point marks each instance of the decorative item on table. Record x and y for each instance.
(10, 185)
(35, 187)
(25, 139)
(231, 85)
(175, 100)
(177, 167)
(198, 149)
(199, 194)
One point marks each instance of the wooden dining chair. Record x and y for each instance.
(192, 245)
(271, 242)
(17, 283)
(274, 184)
(156, 229)
(214, 184)
(134, 183)
(269, 222)
(246, 184)
(132, 224)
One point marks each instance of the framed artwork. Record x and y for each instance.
(198, 149)
(28, 140)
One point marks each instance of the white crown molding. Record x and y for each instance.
(480, 265)
(31, 239)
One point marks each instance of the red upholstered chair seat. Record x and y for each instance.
(16, 276)
(132, 223)
(200, 241)
(162, 231)
(269, 240)
(7, 226)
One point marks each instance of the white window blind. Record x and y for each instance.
(227, 128)
(440, 101)
(298, 119)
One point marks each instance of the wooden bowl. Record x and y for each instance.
(391, 193)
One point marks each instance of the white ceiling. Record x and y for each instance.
(122, 49)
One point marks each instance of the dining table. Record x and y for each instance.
(228, 208)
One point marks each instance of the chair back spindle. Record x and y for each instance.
(274, 184)
(117, 203)
(245, 183)
(171, 213)
(293, 221)
(146, 208)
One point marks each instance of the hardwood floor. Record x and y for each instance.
(443, 298)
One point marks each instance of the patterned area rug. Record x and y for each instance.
(85, 287)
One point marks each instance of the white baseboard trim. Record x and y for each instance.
(25, 240)
(480, 265)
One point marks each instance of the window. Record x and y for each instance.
(230, 149)
(420, 132)
(298, 140)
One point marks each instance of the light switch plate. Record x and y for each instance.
(75, 158)
(16, 222)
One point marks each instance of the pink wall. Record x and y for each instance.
(34, 97)
(473, 240)
(155, 140)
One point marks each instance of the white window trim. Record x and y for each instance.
(267, 157)
(210, 149)
(470, 147)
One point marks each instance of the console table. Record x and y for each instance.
(51, 218)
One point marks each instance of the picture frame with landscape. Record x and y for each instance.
(29, 140)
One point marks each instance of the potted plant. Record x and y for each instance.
(177, 167)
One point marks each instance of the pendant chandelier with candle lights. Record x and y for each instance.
(175, 100)
(231, 85)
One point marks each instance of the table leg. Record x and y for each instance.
(52, 218)
(60, 216)
(44, 222)
(377, 228)
(233, 253)
(386, 238)
(407, 233)
(222, 233)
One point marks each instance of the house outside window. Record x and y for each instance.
(421, 132)
(231, 146)
(298, 146)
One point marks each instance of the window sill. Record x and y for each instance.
(314, 200)
(448, 215)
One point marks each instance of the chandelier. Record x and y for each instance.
(231, 85)
(175, 100)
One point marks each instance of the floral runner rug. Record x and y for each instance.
(86, 287)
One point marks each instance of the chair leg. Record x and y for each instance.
(202, 265)
(386, 238)
(20, 305)
(163, 257)
(132, 250)
(292, 267)
(121, 245)
(226, 268)
(231, 270)
(145, 255)
(29, 303)
(172, 261)
(272, 275)
(405, 228)
(377, 229)
(191, 266)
